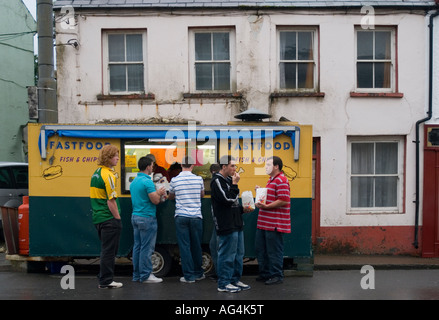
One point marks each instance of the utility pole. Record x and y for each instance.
(47, 102)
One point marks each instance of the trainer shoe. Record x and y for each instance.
(183, 279)
(229, 288)
(152, 279)
(112, 285)
(201, 277)
(242, 286)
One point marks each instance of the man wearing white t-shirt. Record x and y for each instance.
(188, 189)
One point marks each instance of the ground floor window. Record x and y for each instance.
(376, 174)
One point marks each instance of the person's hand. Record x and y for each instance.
(257, 187)
(248, 209)
(261, 205)
(235, 178)
(161, 191)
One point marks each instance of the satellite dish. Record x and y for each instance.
(252, 114)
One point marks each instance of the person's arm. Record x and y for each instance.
(112, 205)
(155, 196)
(273, 205)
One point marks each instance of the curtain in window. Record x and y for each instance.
(374, 174)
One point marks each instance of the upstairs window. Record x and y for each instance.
(213, 65)
(125, 57)
(375, 60)
(297, 60)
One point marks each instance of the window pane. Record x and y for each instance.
(288, 46)
(203, 46)
(135, 77)
(386, 158)
(221, 46)
(222, 76)
(134, 47)
(305, 51)
(117, 78)
(362, 161)
(365, 75)
(386, 191)
(116, 47)
(21, 177)
(203, 75)
(382, 45)
(364, 45)
(287, 75)
(382, 74)
(361, 192)
(305, 74)
(5, 179)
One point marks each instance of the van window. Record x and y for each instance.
(5, 179)
(21, 177)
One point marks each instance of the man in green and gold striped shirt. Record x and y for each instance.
(106, 213)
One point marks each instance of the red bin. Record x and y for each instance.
(23, 227)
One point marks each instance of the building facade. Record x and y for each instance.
(17, 30)
(356, 71)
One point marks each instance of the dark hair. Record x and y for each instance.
(225, 160)
(215, 167)
(276, 161)
(144, 162)
(187, 162)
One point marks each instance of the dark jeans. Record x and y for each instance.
(269, 247)
(189, 235)
(109, 233)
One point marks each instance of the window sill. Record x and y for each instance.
(297, 95)
(212, 95)
(135, 96)
(377, 94)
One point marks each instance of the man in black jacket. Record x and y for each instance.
(227, 216)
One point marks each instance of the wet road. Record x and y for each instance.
(323, 285)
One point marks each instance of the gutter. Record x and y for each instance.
(419, 122)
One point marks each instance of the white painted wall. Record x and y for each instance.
(334, 117)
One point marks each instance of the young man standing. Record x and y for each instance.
(188, 189)
(273, 221)
(144, 198)
(229, 226)
(106, 213)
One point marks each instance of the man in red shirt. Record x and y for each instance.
(273, 221)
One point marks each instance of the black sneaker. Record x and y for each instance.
(275, 280)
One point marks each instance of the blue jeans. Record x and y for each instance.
(269, 247)
(145, 234)
(189, 235)
(230, 258)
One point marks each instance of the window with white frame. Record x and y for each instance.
(212, 60)
(125, 62)
(297, 59)
(375, 59)
(376, 174)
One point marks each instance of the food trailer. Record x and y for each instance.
(62, 159)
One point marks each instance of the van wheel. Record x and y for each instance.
(207, 263)
(161, 262)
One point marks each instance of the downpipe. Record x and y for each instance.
(421, 121)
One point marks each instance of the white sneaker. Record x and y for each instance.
(182, 279)
(242, 286)
(201, 277)
(112, 285)
(152, 279)
(229, 288)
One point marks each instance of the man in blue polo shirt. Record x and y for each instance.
(144, 198)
